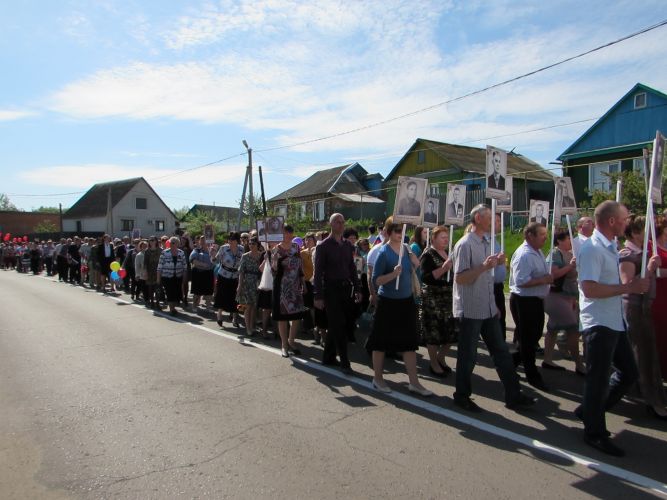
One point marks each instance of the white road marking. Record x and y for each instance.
(605, 468)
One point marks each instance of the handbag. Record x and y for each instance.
(266, 281)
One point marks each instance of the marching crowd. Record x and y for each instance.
(322, 285)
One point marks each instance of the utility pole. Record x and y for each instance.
(261, 185)
(251, 211)
(245, 184)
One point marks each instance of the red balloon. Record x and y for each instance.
(8, 236)
(25, 238)
(122, 273)
(167, 244)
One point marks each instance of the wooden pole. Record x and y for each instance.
(493, 231)
(400, 253)
(502, 232)
(451, 241)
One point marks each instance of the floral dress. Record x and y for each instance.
(249, 268)
(438, 324)
(287, 283)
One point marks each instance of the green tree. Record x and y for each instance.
(46, 226)
(6, 204)
(256, 210)
(180, 213)
(633, 192)
(49, 210)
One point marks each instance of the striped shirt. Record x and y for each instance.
(476, 300)
(170, 265)
(528, 264)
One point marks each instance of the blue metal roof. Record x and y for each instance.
(623, 125)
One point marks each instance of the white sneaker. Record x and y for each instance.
(382, 388)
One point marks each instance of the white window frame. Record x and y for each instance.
(302, 210)
(634, 101)
(609, 167)
(164, 226)
(638, 165)
(281, 210)
(318, 210)
(132, 224)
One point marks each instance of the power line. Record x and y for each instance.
(473, 93)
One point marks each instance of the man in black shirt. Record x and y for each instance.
(336, 288)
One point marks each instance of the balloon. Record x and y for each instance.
(122, 273)
(114, 275)
(167, 244)
(25, 238)
(298, 241)
(115, 266)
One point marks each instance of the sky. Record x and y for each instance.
(95, 91)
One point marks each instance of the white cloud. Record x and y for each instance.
(7, 115)
(308, 70)
(84, 176)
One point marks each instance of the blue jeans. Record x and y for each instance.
(466, 357)
(606, 349)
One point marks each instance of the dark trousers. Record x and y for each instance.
(528, 314)
(606, 350)
(340, 309)
(466, 357)
(499, 295)
(75, 272)
(48, 262)
(63, 267)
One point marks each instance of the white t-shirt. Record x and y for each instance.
(577, 242)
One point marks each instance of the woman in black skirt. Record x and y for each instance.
(229, 258)
(202, 273)
(395, 326)
(170, 271)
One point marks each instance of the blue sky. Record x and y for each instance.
(93, 91)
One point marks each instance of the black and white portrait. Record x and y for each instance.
(271, 228)
(505, 205)
(209, 235)
(455, 204)
(496, 173)
(431, 212)
(409, 206)
(657, 162)
(539, 212)
(565, 196)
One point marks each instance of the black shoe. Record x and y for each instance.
(330, 362)
(538, 383)
(346, 369)
(521, 402)
(516, 358)
(445, 368)
(651, 411)
(580, 373)
(437, 374)
(467, 404)
(579, 413)
(604, 444)
(219, 322)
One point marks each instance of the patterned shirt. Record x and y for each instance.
(475, 300)
(229, 261)
(171, 265)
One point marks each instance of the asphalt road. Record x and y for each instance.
(103, 399)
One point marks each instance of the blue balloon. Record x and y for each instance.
(114, 275)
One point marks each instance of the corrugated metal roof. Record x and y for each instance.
(318, 183)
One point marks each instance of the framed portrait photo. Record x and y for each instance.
(539, 212)
(657, 163)
(409, 205)
(270, 229)
(565, 196)
(455, 204)
(431, 211)
(496, 173)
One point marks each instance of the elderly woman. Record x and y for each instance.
(395, 326)
(439, 326)
(170, 271)
(202, 273)
(140, 272)
(288, 286)
(637, 310)
(560, 304)
(229, 259)
(247, 292)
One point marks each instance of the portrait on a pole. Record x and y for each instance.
(496, 173)
(539, 212)
(505, 205)
(657, 162)
(455, 204)
(431, 212)
(409, 205)
(271, 228)
(565, 196)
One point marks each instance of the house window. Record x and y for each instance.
(640, 100)
(126, 225)
(159, 226)
(318, 210)
(79, 226)
(638, 166)
(434, 189)
(281, 210)
(142, 203)
(598, 176)
(302, 211)
(421, 157)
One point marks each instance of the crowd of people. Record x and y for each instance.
(418, 294)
